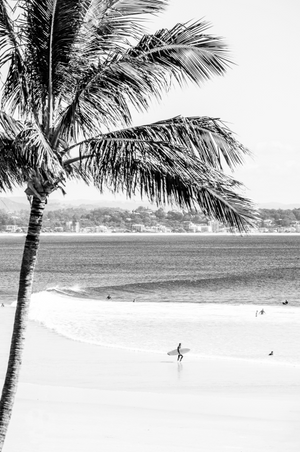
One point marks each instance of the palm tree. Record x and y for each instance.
(74, 70)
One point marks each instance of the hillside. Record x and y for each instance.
(16, 204)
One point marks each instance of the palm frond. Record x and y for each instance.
(57, 31)
(162, 162)
(25, 157)
(47, 45)
(208, 139)
(9, 126)
(12, 163)
(101, 103)
(15, 92)
(202, 138)
(96, 101)
(145, 71)
(185, 51)
(8, 39)
(78, 171)
(37, 152)
(223, 203)
(110, 25)
(28, 145)
(11, 175)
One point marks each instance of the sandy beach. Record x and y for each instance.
(74, 396)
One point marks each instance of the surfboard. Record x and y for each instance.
(175, 352)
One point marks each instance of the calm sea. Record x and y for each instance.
(203, 291)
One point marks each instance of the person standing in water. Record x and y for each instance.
(180, 356)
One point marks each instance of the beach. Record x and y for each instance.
(75, 396)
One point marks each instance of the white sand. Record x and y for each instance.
(80, 397)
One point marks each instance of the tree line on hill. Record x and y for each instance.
(280, 217)
(123, 219)
(110, 217)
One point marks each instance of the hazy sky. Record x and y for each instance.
(258, 98)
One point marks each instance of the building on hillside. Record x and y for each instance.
(268, 222)
(138, 227)
(216, 226)
(193, 227)
(163, 228)
(206, 228)
(69, 226)
(101, 228)
(76, 227)
(11, 228)
(296, 225)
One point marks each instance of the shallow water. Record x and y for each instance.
(235, 331)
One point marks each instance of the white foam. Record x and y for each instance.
(208, 329)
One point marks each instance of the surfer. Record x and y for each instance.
(180, 356)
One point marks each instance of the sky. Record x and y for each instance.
(258, 98)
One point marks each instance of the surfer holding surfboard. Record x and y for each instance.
(179, 351)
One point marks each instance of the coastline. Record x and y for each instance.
(74, 396)
(152, 234)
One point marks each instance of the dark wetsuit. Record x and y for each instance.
(180, 356)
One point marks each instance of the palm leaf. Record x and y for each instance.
(170, 161)
(166, 182)
(185, 51)
(9, 126)
(37, 152)
(11, 175)
(28, 144)
(8, 38)
(205, 138)
(57, 31)
(196, 138)
(50, 29)
(103, 93)
(108, 25)
(224, 204)
(12, 163)
(15, 92)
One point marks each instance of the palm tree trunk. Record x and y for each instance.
(18, 337)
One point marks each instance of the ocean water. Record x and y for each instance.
(203, 291)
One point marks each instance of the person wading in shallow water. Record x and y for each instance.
(180, 356)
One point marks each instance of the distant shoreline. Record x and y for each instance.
(131, 234)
